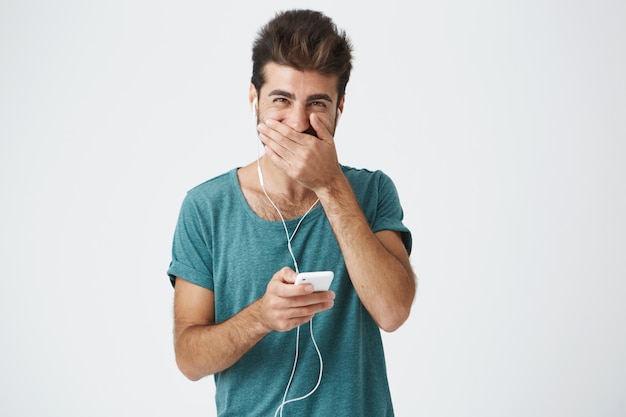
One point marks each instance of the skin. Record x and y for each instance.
(297, 115)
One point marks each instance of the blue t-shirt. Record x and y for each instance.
(222, 245)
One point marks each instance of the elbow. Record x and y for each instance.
(187, 370)
(189, 367)
(187, 359)
(398, 313)
(394, 319)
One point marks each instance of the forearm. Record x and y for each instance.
(203, 350)
(385, 285)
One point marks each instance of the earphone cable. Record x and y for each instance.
(289, 239)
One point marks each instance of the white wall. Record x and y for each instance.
(503, 124)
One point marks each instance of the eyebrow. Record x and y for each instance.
(312, 97)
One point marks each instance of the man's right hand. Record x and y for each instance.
(285, 306)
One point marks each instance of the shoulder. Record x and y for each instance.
(210, 195)
(366, 178)
(375, 191)
(216, 184)
(218, 188)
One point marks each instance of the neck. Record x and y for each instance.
(287, 205)
(274, 182)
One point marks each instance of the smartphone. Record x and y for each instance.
(320, 279)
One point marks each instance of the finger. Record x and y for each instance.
(277, 145)
(315, 297)
(320, 127)
(280, 151)
(291, 291)
(287, 136)
(287, 318)
(283, 284)
(312, 309)
(285, 275)
(283, 131)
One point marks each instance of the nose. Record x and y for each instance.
(298, 118)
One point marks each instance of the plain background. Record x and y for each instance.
(503, 124)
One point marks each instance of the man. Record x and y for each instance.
(242, 237)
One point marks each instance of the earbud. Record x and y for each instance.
(338, 114)
(254, 107)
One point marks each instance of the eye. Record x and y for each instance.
(280, 101)
(318, 104)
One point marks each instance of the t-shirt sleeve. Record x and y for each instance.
(389, 213)
(191, 246)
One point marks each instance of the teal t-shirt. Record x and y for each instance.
(221, 244)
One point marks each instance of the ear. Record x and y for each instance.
(253, 99)
(340, 106)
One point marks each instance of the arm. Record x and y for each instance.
(204, 347)
(378, 264)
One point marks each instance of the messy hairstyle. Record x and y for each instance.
(305, 40)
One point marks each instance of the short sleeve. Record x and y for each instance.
(389, 213)
(191, 247)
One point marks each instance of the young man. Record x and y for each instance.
(242, 237)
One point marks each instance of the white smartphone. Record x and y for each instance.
(320, 279)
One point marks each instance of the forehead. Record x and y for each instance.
(300, 84)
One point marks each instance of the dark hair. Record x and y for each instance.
(306, 40)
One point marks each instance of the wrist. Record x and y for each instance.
(337, 186)
(257, 319)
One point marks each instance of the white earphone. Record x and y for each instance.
(254, 107)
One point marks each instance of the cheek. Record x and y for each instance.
(329, 122)
(272, 113)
